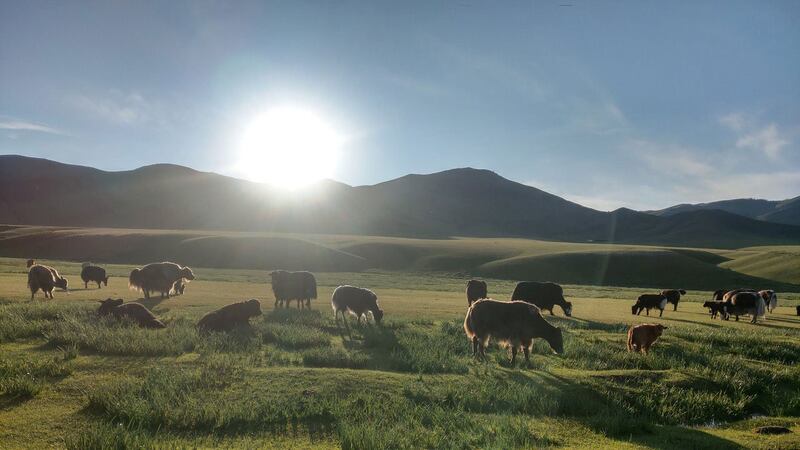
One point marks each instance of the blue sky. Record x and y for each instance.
(627, 103)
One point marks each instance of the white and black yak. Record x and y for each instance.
(136, 312)
(158, 277)
(514, 323)
(476, 290)
(288, 286)
(230, 316)
(357, 301)
(648, 302)
(673, 296)
(95, 274)
(770, 299)
(545, 295)
(45, 278)
(744, 303)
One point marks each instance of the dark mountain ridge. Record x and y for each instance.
(457, 202)
(778, 211)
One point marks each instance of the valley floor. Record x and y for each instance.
(298, 379)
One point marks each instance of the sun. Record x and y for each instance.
(289, 147)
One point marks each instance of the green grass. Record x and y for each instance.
(297, 378)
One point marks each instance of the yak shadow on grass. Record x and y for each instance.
(691, 322)
(151, 302)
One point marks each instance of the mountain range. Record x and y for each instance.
(778, 211)
(457, 202)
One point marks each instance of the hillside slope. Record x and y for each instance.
(458, 202)
(512, 259)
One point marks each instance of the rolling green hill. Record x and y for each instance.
(512, 259)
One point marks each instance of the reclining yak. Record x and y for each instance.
(136, 312)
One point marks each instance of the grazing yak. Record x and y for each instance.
(45, 278)
(358, 301)
(158, 277)
(648, 302)
(134, 311)
(545, 295)
(673, 296)
(94, 274)
(514, 323)
(642, 337)
(743, 303)
(476, 290)
(715, 308)
(230, 316)
(770, 299)
(798, 310)
(288, 286)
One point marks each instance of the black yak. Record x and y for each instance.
(673, 296)
(94, 274)
(45, 278)
(476, 290)
(136, 312)
(648, 302)
(230, 316)
(642, 337)
(288, 286)
(514, 323)
(744, 303)
(158, 277)
(358, 301)
(545, 295)
(715, 308)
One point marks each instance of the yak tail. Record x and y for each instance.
(134, 282)
(760, 307)
(468, 327)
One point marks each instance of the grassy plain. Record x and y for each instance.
(68, 379)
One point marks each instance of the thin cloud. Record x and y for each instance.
(766, 139)
(21, 125)
(118, 107)
(670, 159)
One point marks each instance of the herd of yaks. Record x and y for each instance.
(516, 322)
